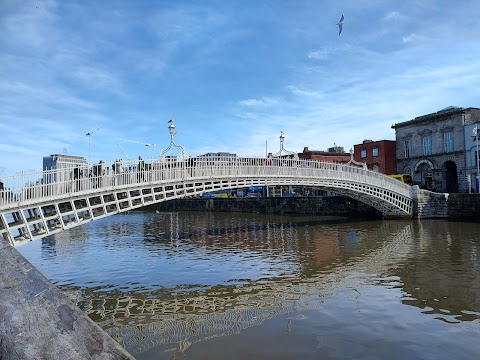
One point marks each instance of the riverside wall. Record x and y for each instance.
(37, 321)
(430, 205)
(313, 205)
(427, 205)
(464, 206)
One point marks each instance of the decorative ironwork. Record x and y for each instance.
(279, 153)
(352, 161)
(172, 130)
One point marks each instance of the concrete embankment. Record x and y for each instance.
(313, 205)
(462, 207)
(428, 205)
(37, 321)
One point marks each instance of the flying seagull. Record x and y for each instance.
(340, 23)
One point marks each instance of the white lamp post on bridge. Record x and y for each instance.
(279, 153)
(172, 131)
(89, 134)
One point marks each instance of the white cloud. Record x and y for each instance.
(71, 67)
(96, 78)
(259, 103)
(325, 53)
(394, 16)
(305, 93)
(409, 38)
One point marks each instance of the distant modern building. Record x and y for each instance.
(379, 155)
(218, 156)
(334, 154)
(59, 162)
(438, 150)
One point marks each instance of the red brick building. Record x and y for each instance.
(335, 154)
(378, 155)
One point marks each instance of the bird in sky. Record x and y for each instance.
(340, 24)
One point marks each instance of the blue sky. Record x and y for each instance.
(232, 74)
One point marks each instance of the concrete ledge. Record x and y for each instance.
(37, 321)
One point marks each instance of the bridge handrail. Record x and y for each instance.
(34, 186)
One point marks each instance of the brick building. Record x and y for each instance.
(334, 154)
(378, 155)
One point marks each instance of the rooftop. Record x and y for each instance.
(443, 113)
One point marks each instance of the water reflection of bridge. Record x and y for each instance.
(176, 319)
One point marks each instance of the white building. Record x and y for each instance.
(55, 162)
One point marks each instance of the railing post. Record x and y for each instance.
(23, 187)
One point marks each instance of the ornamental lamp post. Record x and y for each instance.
(172, 131)
(282, 149)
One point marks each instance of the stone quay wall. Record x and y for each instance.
(427, 205)
(464, 206)
(455, 206)
(37, 321)
(313, 205)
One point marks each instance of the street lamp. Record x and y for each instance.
(172, 131)
(475, 133)
(279, 153)
(89, 134)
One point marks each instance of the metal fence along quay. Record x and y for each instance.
(37, 204)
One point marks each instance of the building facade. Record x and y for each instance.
(66, 163)
(335, 154)
(379, 156)
(472, 153)
(59, 161)
(433, 148)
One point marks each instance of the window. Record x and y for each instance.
(427, 145)
(363, 153)
(448, 141)
(375, 151)
(408, 148)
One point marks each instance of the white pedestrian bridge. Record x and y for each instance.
(35, 205)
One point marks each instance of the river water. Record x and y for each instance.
(195, 285)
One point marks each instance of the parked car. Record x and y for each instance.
(406, 178)
(212, 195)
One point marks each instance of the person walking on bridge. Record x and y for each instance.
(141, 169)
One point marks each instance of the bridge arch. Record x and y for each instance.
(54, 200)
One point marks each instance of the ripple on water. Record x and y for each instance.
(228, 285)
